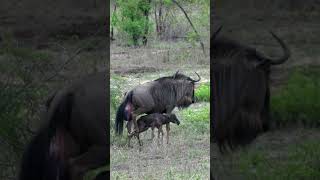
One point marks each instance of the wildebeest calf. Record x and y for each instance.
(155, 120)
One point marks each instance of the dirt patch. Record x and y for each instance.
(136, 70)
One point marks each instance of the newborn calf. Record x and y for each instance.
(152, 121)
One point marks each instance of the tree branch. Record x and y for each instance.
(194, 29)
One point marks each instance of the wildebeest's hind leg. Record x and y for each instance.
(129, 125)
(138, 137)
(168, 129)
(152, 135)
(129, 139)
(134, 115)
(94, 158)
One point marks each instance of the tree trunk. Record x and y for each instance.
(112, 33)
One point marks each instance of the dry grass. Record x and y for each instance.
(184, 158)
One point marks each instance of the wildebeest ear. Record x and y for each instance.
(175, 75)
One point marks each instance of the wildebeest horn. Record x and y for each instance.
(174, 76)
(199, 78)
(276, 61)
(215, 33)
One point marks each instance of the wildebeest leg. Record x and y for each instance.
(152, 135)
(168, 129)
(138, 137)
(161, 131)
(129, 139)
(158, 136)
(129, 125)
(134, 114)
(94, 158)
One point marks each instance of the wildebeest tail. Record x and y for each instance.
(123, 114)
(44, 155)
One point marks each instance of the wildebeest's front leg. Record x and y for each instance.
(161, 131)
(169, 110)
(94, 158)
(168, 129)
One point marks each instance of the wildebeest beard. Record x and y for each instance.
(184, 102)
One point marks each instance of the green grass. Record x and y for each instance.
(301, 161)
(298, 101)
(202, 93)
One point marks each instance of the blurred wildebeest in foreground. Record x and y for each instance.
(241, 91)
(75, 139)
(155, 120)
(159, 96)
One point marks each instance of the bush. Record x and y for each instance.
(202, 93)
(299, 100)
(133, 21)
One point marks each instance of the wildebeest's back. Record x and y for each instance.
(154, 96)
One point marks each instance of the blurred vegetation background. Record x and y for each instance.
(290, 149)
(43, 46)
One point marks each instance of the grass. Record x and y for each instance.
(301, 162)
(282, 154)
(187, 156)
(298, 101)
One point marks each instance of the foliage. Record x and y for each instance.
(202, 93)
(299, 100)
(131, 19)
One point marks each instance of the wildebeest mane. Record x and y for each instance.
(176, 76)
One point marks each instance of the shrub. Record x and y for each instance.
(299, 100)
(202, 93)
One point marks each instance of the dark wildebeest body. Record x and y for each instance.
(241, 91)
(158, 96)
(155, 120)
(75, 139)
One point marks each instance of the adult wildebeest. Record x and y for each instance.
(158, 96)
(75, 138)
(241, 91)
(155, 120)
